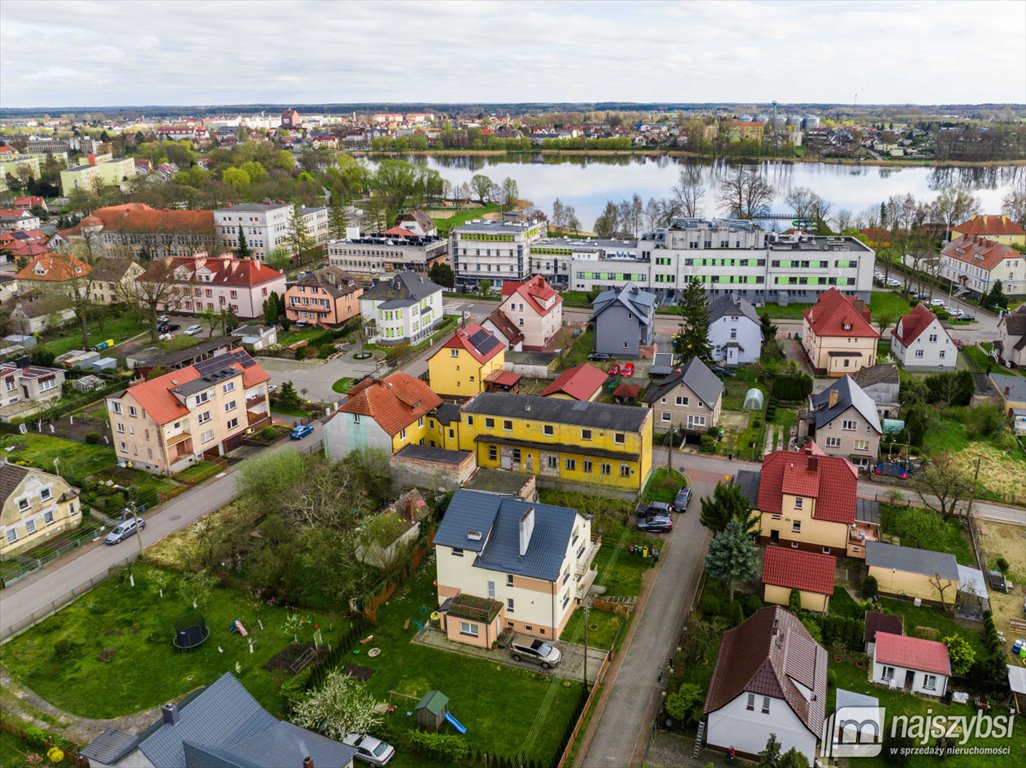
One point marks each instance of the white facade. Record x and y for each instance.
(735, 340)
(408, 323)
(746, 722)
(267, 227)
(932, 349)
(492, 250)
(347, 432)
(913, 680)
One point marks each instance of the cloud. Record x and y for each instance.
(174, 52)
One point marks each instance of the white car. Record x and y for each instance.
(192, 330)
(369, 749)
(894, 283)
(937, 303)
(956, 312)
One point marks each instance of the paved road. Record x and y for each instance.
(36, 594)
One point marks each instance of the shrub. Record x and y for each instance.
(1002, 565)
(751, 604)
(708, 443)
(94, 438)
(55, 755)
(685, 704)
(62, 646)
(443, 747)
(35, 737)
(961, 654)
(832, 678)
(794, 602)
(739, 614)
(869, 587)
(711, 604)
(294, 689)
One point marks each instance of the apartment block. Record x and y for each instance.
(221, 283)
(327, 297)
(201, 411)
(268, 226)
(403, 309)
(379, 255)
(493, 250)
(97, 173)
(135, 230)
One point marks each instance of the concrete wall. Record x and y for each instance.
(342, 435)
(430, 475)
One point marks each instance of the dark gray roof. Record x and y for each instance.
(498, 519)
(849, 395)
(912, 560)
(332, 279)
(447, 413)
(886, 373)
(11, 476)
(697, 377)
(1016, 386)
(624, 418)
(638, 301)
(402, 290)
(285, 744)
(110, 746)
(183, 357)
(748, 481)
(722, 306)
(867, 510)
(427, 453)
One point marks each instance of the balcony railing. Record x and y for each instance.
(585, 560)
(177, 438)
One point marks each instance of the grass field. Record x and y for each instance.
(890, 303)
(602, 627)
(462, 217)
(77, 460)
(117, 328)
(790, 312)
(663, 485)
(133, 628)
(343, 385)
(578, 352)
(931, 617)
(942, 534)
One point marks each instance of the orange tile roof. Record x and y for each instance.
(226, 270)
(53, 268)
(989, 225)
(834, 310)
(138, 217)
(830, 480)
(579, 382)
(912, 653)
(796, 569)
(980, 252)
(394, 402)
(912, 324)
(157, 397)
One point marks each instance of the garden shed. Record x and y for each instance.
(431, 710)
(754, 399)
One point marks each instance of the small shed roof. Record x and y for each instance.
(434, 702)
(1017, 679)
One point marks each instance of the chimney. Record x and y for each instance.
(169, 712)
(526, 529)
(308, 762)
(813, 463)
(832, 399)
(1006, 390)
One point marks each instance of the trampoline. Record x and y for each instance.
(191, 631)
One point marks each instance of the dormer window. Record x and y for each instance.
(846, 326)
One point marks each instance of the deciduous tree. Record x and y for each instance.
(943, 484)
(689, 192)
(341, 706)
(745, 194)
(482, 186)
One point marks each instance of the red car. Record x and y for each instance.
(614, 370)
(627, 370)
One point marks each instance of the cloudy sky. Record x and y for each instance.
(91, 53)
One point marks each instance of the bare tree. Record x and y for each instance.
(943, 484)
(689, 192)
(155, 291)
(1014, 203)
(942, 585)
(844, 220)
(745, 194)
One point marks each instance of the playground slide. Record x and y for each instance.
(455, 723)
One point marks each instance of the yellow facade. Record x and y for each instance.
(936, 589)
(39, 506)
(445, 436)
(602, 457)
(91, 177)
(811, 601)
(455, 372)
(413, 434)
(795, 523)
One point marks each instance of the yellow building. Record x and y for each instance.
(590, 444)
(1002, 229)
(37, 505)
(97, 174)
(811, 573)
(463, 365)
(910, 573)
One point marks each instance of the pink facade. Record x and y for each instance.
(223, 283)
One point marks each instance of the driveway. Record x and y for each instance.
(316, 376)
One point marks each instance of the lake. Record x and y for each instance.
(588, 182)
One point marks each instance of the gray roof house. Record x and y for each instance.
(221, 726)
(403, 290)
(690, 398)
(735, 330)
(844, 422)
(882, 383)
(1010, 344)
(624, 320)
(534, 559)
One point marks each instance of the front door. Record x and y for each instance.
(910, 677)
(774, 536)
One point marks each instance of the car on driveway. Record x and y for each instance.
(123, 530)
(599, 357)
(720, 370)
(192, 330)
(681, 500)
(168, 327)
(628, 369)
(655, 524)
(300, 431)
(535, 651)
(614, 370)
(369, 749)
(653, 508)
(893, 283)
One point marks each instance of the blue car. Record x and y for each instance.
(301, 431)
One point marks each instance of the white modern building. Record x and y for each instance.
(493, 250)
(267, 226)
(403, 309)
(735, 331)
(378, 255)
(920, 342)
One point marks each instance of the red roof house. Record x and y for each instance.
(838, 335)
(582, 382)
(1002, 228)
(911, 663)
(811, 573)
(535, 308)
(394, 403)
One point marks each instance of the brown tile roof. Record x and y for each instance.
(394, 402)
(912, 324)
(580, 382)
(830, 480)
(882, 622)
(333, 280)
(980, 252)
(770, 654)
(54, 268)
(111, 270)
(797, 569)
(989, 225)
(506, 327)
(11, 476)
(834, 310)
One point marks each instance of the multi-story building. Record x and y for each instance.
(18, 219)
(204, 410)
(838, 335)
(97, 173)
(976, 263)
(327, 297)
(844, 422)
(1011, 341)
(28, 389)
(493, 250)
(36, 506)
(730, 258)
(50, 146)
(466, 363)
(735, 330)
(624, 320)
(509, 565)
(592, 444)
(920, 342)
(403, 309)
(379, 255)
(53, 272)
(1000, 229)
(113, 280)
(268, 226)
(136, 230)
(554, 258)
(534, 308)
(220, 283)
(690, 398)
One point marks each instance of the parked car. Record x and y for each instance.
(937, 303)
(300, 431)
(893, 283)
(535, 651)
(967, 317)
(720, 370)
(168, 327)
(681, 500)
(599, 357)
(653, 508)
(627, 370)
(123, 530)
(369, 749)
(192, 330)
(614, 370)
(655, 524)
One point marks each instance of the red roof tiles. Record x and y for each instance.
(226, 270)
(838, 315)
(911, 325)
(394, 402)
(141, 218)
(797, 569)
(535, 291)
(580, 382)
(980, 252)
(830, 480)
(482, 349)
(912, 653)
(53, 268)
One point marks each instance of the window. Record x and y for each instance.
(507, 425)
(552, 462)
(666, 416)
(548, 430)
(115, 406)
(625, 470)
(471, 630)
(120, 428)
(833, 442)
(861, 445)
(204, 417)
(402, 434)
(207, 436)
(30, 526)
(233, 423)
(848, 425)
(888, 673)
(933, 338)
(751, 702)
(733, 333)
(798, 500)
(12, 535)
(796, 526)
(509, 605)
(585, 434)
(509, 579)
(489, 423)
(132, 411)
(457, 552)
(619, 438)
(493, 453)
(920, 353)
(681, 400)
(587, 465)
(765, 705)
(571, 465)
(606, 469)
(929, 681)
(454, 353)
(45, 494)
(228, 387)
(48, 516)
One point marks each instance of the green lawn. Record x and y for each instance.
(578, 298)
(602, 627)
(929, 616)
(199, 472)
(943, 534)
(176, 343)
(578, 352)
(117, 328)
(135, 627)
(462, 217)
(663, 485)
(842, 604)
(297, 334)
(890, 303)
(944, 436)
(502, 707)
(343, 385)
(790, 312)
(77, 460)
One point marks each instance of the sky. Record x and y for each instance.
(87, 53)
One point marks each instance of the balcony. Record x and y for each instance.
(177, 437)
(586, 555)
(584, 583)
(257, 403)
(859, 534)
(179, 450)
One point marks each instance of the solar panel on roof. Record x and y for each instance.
(484, 342)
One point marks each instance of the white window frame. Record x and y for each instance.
(469, 629)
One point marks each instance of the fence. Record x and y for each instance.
(11, 574)
(582, 710)
(71, 757)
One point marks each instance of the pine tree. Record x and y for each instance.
(243, 249)
(299, 237)
(693, 340)
(733, 557)
(996, 297)
(337, 219)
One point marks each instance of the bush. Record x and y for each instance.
(794, 602)
(443, 747)
(35, 737)
(294, 689)
(794, 386)
(869, 587)
(55, 755)
(984, 421)
(711, 604)
(1002, 565)
(751, 603)
(708, 444)
(62, 646)
(94, 438)
(685, 704)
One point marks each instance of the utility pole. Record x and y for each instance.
(138, 531)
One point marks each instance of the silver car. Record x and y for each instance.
(537, 652)
(369, 749)
(123, 530)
